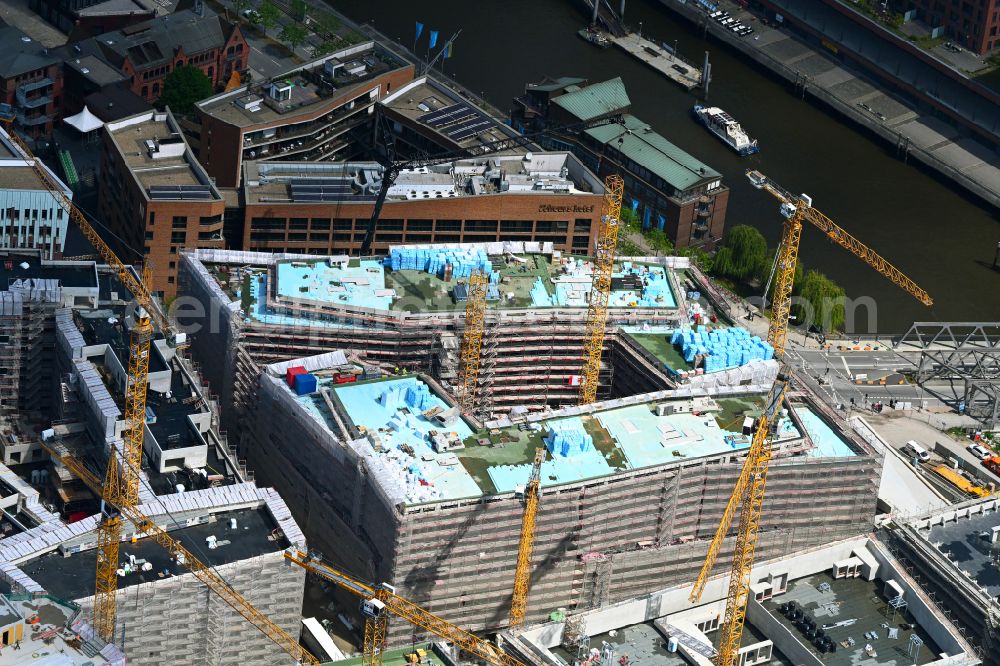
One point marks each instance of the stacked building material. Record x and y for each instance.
(721, 348)
(436, 261)
(566, 440)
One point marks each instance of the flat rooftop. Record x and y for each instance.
(966, 542)
(645, 646)
(172, 429)
(321, 83)
(62, 648)
(537, 173)
(499, 460)
(865, 603)
(82, 274)
(73, 577)
(153, 148)
(435, 108)
(529, 281)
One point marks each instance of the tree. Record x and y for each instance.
(820, 301)
(628, 220)
(749, 253)
(183, 87)
(298, 9)
(293, 34)
(723, 264)
(658, 240)
(268, 14)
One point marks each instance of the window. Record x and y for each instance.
(343, 225)
(448, 225)
(267, 223)
(180, 222)
(172, 265)
(581, 225)
(446, 238)
(390, 225)
(173, 249)
(480, 225)
(320, 224)
(152, 219)
(149, 235)
(581, 241)
(321, 236)
(516, 225)
(171, 279)
(388, 238)
(296, 237)
(419, 225)
(210, 221)
(178, 237)
(298, 223)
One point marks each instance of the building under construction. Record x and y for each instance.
(387, 479)
(69, 324)
(251, 309)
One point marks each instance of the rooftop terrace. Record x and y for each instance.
(73, 577)
(392, 413)
(153, 148)
(356, 182)
(303, 91)
(531, 281)
(868, 630)
(436, 108)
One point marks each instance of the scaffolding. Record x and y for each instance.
(597, 310)
(472, 339)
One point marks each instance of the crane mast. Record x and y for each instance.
(472, 339)
(747, 496)
(522, 574)
(597, 308)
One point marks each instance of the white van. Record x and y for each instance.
(914, 450)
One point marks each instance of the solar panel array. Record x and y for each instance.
(458, 122)
(187, 192)
(324, 189)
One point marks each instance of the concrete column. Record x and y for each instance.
(593, 16)
(621, 11)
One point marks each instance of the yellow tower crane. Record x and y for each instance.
(121, 482)
(379, 601)
(597, 309)
(205, 574)
(522, 574)
(472, 339)
(748, 493)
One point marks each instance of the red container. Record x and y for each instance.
(345, 379)
(291, 372)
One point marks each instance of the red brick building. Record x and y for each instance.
(975, 24)
(325, 208)
(147, 52)
(154, 194)
(30, 81)
(320, 112)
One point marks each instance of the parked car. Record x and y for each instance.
(980, 452)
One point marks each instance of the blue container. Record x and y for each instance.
(305, 384)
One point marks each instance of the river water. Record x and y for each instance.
(928, 229)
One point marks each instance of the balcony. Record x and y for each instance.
(32, 102)
(35, 85)
(306, 129)
(32, 121)
(291, 147)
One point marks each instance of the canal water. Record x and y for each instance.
(934, 233)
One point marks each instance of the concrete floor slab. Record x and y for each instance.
(785, 50)
(814, 65)
(832, 77)
(852, 90)
(926, 131)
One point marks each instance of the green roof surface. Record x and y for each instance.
(651, 150)
(596, 100)
(557, 84)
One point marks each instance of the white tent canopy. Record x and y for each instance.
(85, 121)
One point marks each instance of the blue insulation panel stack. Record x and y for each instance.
(419, 397)
(433, 260)
(568, 440)
(722, 348)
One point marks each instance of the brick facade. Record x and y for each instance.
(569, 221)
